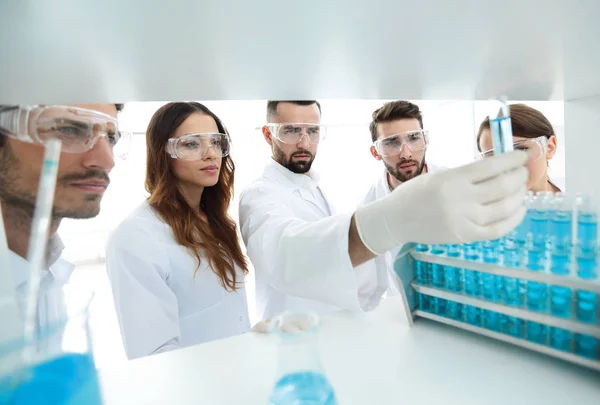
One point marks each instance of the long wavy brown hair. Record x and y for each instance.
(218, 242)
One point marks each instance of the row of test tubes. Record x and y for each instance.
(535, 332)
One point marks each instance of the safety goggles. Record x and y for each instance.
(292, 133)
(535, 148)
(196, 146)
(392, 145)
(78, 129)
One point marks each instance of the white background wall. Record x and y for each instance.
(344, 162)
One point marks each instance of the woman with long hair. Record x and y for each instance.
(175, 264)
(533, 133)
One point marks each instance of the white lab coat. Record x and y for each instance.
(52, 309)
(385, 262)
(161, 304)
(299, 250)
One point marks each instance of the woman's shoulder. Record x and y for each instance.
(142, 220)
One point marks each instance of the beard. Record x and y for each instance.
(299, 167)
(16, 192)
(401, 175)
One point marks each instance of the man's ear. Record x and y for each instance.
(267, 135)
(374, 153)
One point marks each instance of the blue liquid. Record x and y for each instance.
(514, 327)
(67, 380)
(421, 247)
(438, 249)
(491, 287)
(438, 275)
(537, 296)
(539, 224)
(453, 250)
(561, 339)
(472, 315)
(425, 303)
(501, 131)
(454, 279)
(491, 320)
(472, 283)
(537, 333)
(490, 251)
(471, 251)
(512, 292)
(423, 272)
(587, 346)
(454, 310)
(304, 387)
(438, 306)
(561, 230)
(587, 306)
(587, 229)
(560, 301)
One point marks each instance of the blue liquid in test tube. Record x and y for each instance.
(512, 292)
(561, 234)
(560, 301)
(587, 238)
(587, 306)
(472, 251)
(454, 310)
(438, 249)
(587, 346)
(491, 286)
(491, 320)
(500, 126)
(490, 251)
(453, 250)
(514, 326)
(421, 247)
(537, 296)
(424, 303)
(539, 223)
(472, 283)
(537, 332)
(423, 272)
(472, 315)
(453, 279)
(438, 275)
(561, 339)
(438, 306)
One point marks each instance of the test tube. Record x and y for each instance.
(561, 339)
(438, 306)
(587, 306)
(453, 250)
(424, 302)
(453, 279)
(438, 249)
(421, 247)
(472, 315)
(500, 126)
(454, 310)
(438, 275)
(472, 283)
(423, 272)
(587, 346)
(561, 232)
(491, 286)
(514, 326)
(587, 237)
(491, 320)
(472, 251)
(537, 332)
(537, 293)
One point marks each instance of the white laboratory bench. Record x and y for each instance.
(373, 358)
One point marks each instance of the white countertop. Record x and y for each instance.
(372, 358)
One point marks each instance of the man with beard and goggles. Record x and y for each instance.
(400, 142)
(90, 139)
(306, 258)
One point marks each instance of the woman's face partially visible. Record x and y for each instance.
(538, 160)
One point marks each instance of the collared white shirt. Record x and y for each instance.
(163, 300)
(299, 247)
(51, 307)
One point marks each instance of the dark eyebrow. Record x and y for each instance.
(75, 123)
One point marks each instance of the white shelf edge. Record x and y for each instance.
(570, 357)
(523, 274)
(574, 326)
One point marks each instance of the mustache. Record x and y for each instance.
(405, 161)
(302, 152)
(90, 174)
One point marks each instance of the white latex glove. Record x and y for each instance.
(480, 201)
(287, 323)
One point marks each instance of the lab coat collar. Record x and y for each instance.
(60, 269)
(276, 172)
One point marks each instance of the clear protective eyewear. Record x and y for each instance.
(196, 146)
(534, 147)
(79, 129)
(292, 133)
(392, 145)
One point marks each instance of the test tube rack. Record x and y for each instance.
(512, 323)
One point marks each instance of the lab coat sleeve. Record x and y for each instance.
(296, 257)
(146, 307)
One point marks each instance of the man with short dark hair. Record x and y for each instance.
(400, 142)
(88, 134)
